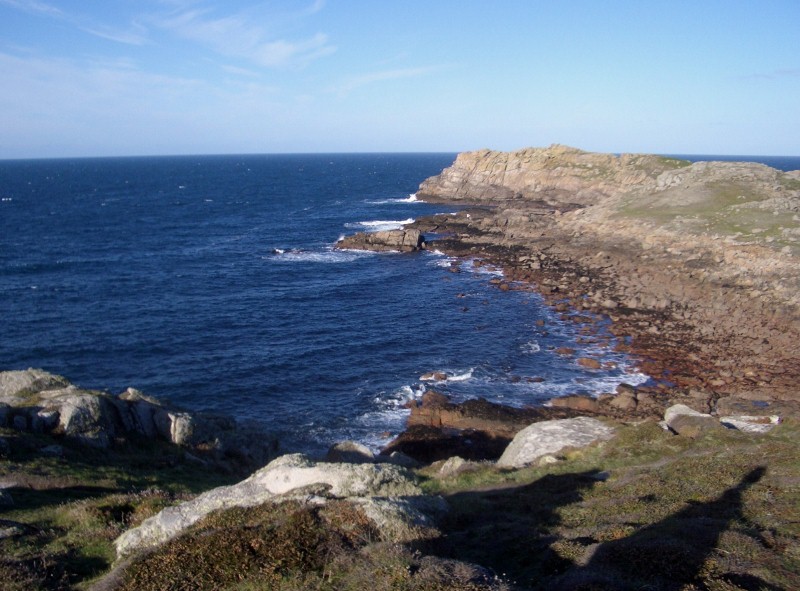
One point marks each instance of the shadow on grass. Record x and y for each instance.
(673, 553)
(506, 529)
(516, 532)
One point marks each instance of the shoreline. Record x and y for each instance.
(710, 316)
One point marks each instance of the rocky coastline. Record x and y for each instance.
(695, 265)
(687, 482)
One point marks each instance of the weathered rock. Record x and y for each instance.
(688, 422)
(55, 451)
(5, 448)
(588, 363)
(576, 403)
(282, 476)
(350, 452)
(17, 385)
(37, 401)
(751, 424)
(552, 437)
(433, 376)
(404, 240)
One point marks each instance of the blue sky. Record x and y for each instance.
(136, 77)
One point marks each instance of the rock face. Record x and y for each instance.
(34, 400)
(406, 240)
(551, 437)
(387, 493)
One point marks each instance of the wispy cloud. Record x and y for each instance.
(355, 82)
(136, 35)
(35, 7)
(239, 35)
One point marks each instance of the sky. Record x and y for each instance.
(153, 77)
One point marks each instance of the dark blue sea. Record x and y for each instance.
(211, 282)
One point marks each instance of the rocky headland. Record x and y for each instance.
(695, 264)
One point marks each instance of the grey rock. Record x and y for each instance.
(398, 458)
(552, 437)
(751, 424)
(17, 385)
(280, 477)
(688, 422)
(350, 452)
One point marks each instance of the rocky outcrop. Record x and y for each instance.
(695, 264)
(34, 400)
(388, 495)
(474, 429)
(551, 437)
(688, 422)
(405, 240)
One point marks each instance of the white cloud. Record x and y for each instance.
(239, 35)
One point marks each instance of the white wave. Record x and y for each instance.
(329, 256)
(7, 199)
(462, 377)
(412, 198)
(531, 347)
(379, 225)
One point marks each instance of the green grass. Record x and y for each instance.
(646, 510)
(668, 512)
(71, 508)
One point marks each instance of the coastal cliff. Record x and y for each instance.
(696, 263)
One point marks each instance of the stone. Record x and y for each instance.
(552, 437)
(588, 363)
(282, 476)
(751, 424)
(452, 466)
(688, 422)
(19, 423)
(433, 376)
(5, 411)
(84, 416)
(5, 448)
(350, 452)
(576, 402)
(23, 384)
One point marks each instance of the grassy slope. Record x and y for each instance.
(648, 510)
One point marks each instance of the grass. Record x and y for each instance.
(646, 510)
(70, 509)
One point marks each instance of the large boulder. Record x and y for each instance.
(688, 422)
(551, 437)
(281, 477)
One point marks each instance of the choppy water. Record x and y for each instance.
(211, 282)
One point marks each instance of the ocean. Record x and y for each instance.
(211, 282)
